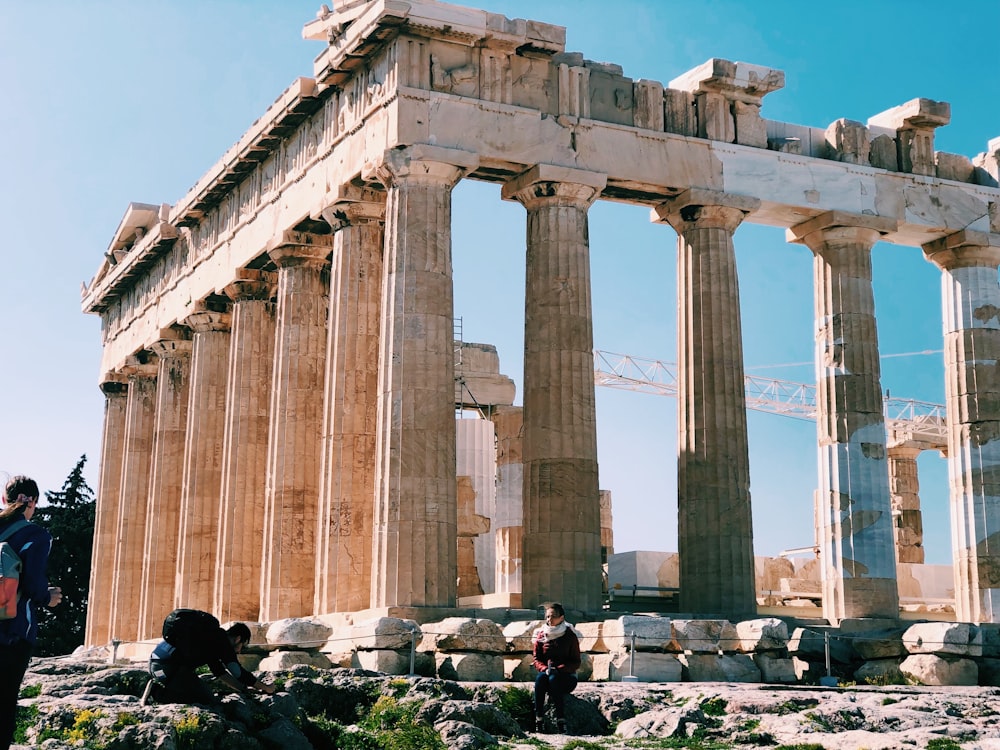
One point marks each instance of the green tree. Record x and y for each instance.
(69, 517)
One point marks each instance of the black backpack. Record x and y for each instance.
(190, 629)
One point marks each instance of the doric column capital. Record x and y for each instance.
(908, 450)
(250, 284)
(173, 342)
(840, 227)
(300, 249)
(350, 205)
(964, 249)
(547, 184)
(113, 384)
(422, 164)
(140, 365)
(697, 209)
(206, 320)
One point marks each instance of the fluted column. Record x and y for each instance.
(292, 498)
(562, 513)
(415, 524)
(166, 473)
(508, 524)
(856, 540)
(714, 523)
(347, 476)
(244, 453)
(904, 492)
(198, 538)
(133, 501)
(971, 312)
(115, 389)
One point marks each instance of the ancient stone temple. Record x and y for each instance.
(281, 337)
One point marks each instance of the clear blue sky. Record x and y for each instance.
(108, 101)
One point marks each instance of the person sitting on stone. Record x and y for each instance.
(556, 652)
(197, 641)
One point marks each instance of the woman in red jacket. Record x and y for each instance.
(556, 652)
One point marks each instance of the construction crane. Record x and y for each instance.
(906, 420)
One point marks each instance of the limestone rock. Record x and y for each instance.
(959, 638)
(301, 632)
(704, 636)
(518, 635)
(484, 715)
(394, 662)
(277, 661)
(464, 634)
(719, 668)
(648, 667)
(931, 669)
(385, 633)
(651, 633)
(763, 634)
(463, 736)
(669, 722)
(774, 668)
(520, 668)
(880, 672)
(469, 667)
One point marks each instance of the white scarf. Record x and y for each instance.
(551, 632)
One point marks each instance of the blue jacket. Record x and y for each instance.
(32, 544)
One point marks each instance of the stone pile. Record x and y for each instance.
(647, 649)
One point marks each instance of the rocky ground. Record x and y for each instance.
(73, 703)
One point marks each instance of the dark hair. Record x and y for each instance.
(16, 487)
(239, 630)
(557, 608)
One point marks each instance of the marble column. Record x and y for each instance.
(198, 538)
(971, 312)
(347, 476)
(100, 603)
(904, 492)
(508, 523)
(856, 539)
(562, 513)
(140, 416)
(244, 452)
(714, 523)
(291, 509)
(415, 523)
(166, 472)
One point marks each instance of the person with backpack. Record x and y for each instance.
(191, 639)
(19, 620)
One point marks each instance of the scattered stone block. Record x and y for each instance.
(880, 672)
(879, 644)
(601, 667)
(277, 661)
(470, 667)
(464, 634)
(394, 662)
(704, 636)
(810, 644)
(954, 167)
(519, 668)
(774, 668)
(385, 633)
(519, 636)
(648, 667)
(591, 637)
(651, 633)
(989, 672)
(959, 638)
(931, 669)
(719, 668)
(763, 634)
(299, 631)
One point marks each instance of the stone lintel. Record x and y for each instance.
(837, 219)
(419, 159)
(142, 364)
(204, 320)
(739, 80)
(552, 174)
(916, 113)
(964, 248)
(698, 198)
(171, 347)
